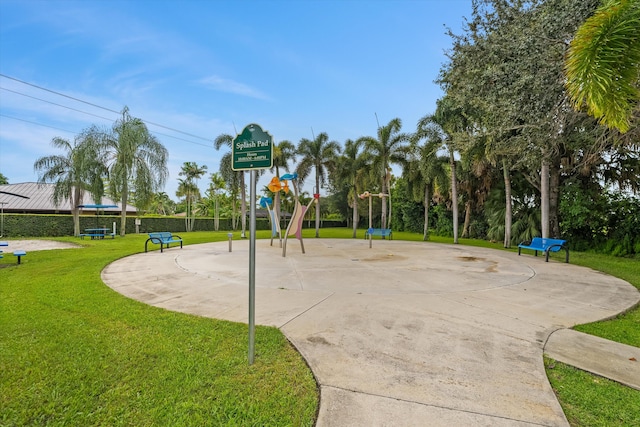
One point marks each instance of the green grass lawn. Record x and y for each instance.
(75, 352)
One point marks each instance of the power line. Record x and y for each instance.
(34, 123)
(68, 131)
(53, 103)
(58, 93)
(103, 108)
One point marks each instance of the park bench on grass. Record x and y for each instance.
(163, 238)
(545, 245)
(384, 232)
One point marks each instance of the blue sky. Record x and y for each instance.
(205, 68)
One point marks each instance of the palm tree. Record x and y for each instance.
(216, 185)
(227, 140)
(425, 169)
(233, 180)
(603, 64)
(319, 154)
(162, 204)
(136, 160)
(351, 169)
(189, 188)
(454, 125)
(73, 173)
(388, 148)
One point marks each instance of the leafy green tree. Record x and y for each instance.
(387, 149)
(136, 160)
(319, 154)
(73, 173)
(3, 179)
(603, 64)
(508, 66)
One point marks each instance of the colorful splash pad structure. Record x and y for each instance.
(294, 228)
(274, 219)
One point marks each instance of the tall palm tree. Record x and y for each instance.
(186, 189)
(387, 149)
(452, 125)
(425, 169)
(350, 170)
(77, 170)
(192, 172)
(216, 185)
(136, 160)
(234, 181)
(319, 154)
(227, 140)
(603, 64)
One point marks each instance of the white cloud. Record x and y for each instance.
(227, 85)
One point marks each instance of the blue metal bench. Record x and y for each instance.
(19, 253)
(384, 232)
(163, 238)
(545, 246)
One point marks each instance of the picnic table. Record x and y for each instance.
(96, 233)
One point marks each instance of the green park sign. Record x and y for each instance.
(252, 149)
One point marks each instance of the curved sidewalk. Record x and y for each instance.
(404, 333)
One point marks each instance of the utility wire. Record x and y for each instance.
(53, 103)
(64, 130)
(34, 123)
(58, 93)
(103, 108)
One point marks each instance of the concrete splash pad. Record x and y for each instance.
(404, 333)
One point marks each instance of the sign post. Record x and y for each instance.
(252, 150)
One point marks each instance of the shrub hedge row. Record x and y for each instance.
(35, 225)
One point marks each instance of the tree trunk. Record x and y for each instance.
(76, 200)
(467, 219)
(216, 221)
(234, 215)
(383, 216)
(186, 216)
(317, 204)
(508, 213)
(388, 178)
(544, 196)
(554, 192)
(123, 214)
(427, 202)
(243, 206)
(355, 212)
(454, 195)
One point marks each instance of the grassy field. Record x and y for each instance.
(74, 352)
